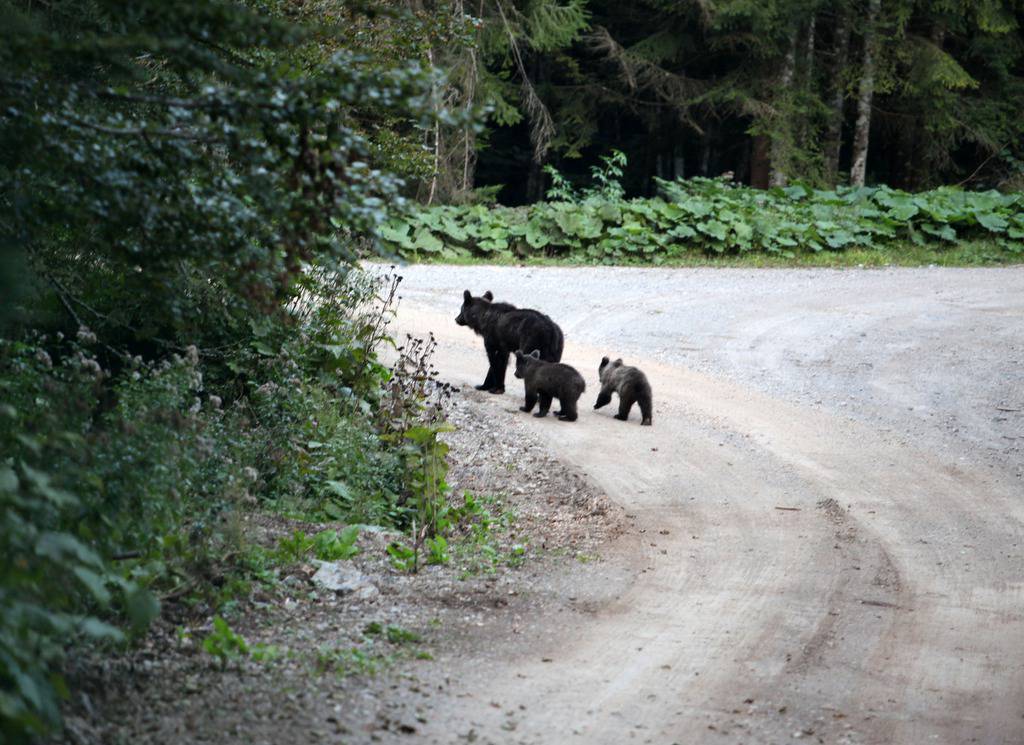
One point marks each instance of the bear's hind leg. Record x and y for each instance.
(568, 412)
(625, 404)
(645, 409)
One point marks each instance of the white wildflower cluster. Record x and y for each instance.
(89, 365)
(85, 335)
(44, 359)
(267, 389)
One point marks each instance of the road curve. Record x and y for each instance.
(798, 569)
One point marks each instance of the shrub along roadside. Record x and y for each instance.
(122, 485)
(711, 218)
(170, 357)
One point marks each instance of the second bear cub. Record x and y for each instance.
(547, 380)
(631, 385)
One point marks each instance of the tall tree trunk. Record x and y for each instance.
(920, 161)
(834, 135)
(809, 51)
(535, 182)
(804, 127)
(678, 162)
(862, 129)
(781, 122)
(760, 162)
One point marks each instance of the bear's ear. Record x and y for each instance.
(488, 296)
(604, 361)
(618, 362)
(467, 296)
(535, 354)
(519, 354)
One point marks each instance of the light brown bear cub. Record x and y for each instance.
(631, 385)
(547, 380)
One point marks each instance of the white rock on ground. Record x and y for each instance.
(344, 579)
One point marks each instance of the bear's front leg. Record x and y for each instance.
(545, 404)
(492, 356)
(531, 399)
(499, 364)
(603, 398)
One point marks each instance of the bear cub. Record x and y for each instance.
(631, 385)
(547, 380)
(505, 329)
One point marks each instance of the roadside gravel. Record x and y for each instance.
(550, 526)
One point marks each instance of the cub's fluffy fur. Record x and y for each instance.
(547, 380)
(505, 329)
(631, 385)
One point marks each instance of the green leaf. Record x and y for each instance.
(395, 231)
(714, 228)
(94, 583)
(339, 489)
(8, 479)
(424, 240)
(839, 239)
(536, 234)
(60, 547)
(99, 630)
(945, 232)
(610, 212)
(991, 222)
(142, 607)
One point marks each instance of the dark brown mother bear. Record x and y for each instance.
(506, 328)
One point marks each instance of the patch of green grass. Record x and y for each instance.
(480, 548)
(348, 661)
(385, 645)
(962, 254)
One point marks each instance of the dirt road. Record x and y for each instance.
(828, 513)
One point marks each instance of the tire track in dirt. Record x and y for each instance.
(857, 617)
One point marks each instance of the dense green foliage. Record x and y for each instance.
(707, 216)
(771, 91)
(183, 188)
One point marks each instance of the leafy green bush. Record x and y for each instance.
(92, 498)
(709, 216)
(331, 545)
(187, 341)
(120, 476)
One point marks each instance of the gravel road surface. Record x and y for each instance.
(827, 535)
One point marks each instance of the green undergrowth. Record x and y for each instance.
(713, 221)
(962, 254)
(125, 479)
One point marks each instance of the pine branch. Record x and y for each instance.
(542, 126)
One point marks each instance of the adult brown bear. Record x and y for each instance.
(506, 328)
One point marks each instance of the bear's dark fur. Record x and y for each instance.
(505, 329)
(547, 380)
(631, 385)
